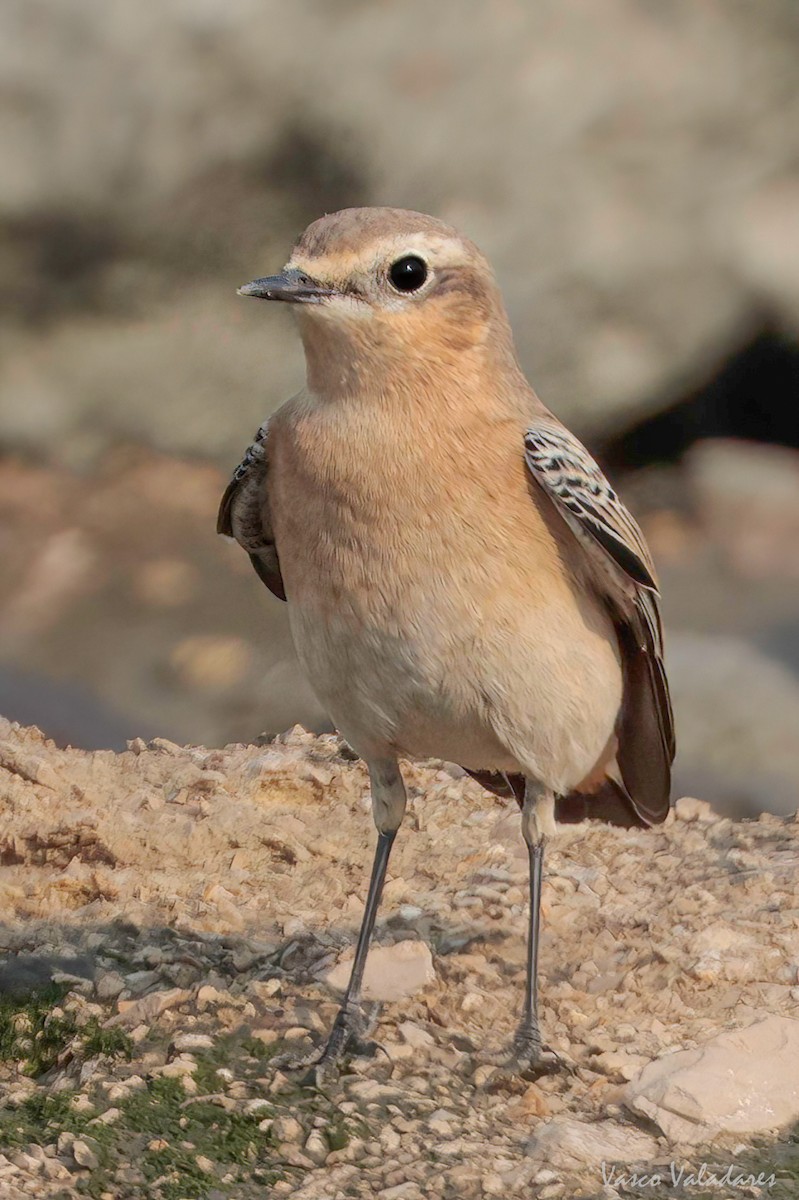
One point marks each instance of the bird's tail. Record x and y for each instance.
(608, 802)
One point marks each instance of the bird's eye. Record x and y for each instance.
(408, 274)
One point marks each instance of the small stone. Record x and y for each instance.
(131, 1012)
(27, 1162)
(390, 1140)
(295, 1157)
(267, 1036)
(137, 982)
(316, 1147)
(401, 1191)
(532, 1103)
(687, 808)
(108, 1117)
(440, 1121)
(208, 994)
(109, 985)
(205, 1164)
(178, 1068)
(53, 1168)
(414, 1035)
(84, 1155)
(568, 1143)
(392, 972)
(257, 1105)
(295, 1033)
(493, 1184)
(193, 1041)
(287, 1129)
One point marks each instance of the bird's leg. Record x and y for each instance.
(538, 822)
(388, 808)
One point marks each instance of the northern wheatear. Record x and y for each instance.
(463, 582)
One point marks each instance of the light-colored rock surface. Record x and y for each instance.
(737, 713)
(744, 1081)
(219, 887)
(747, 498)
(392, 972)
(567, 1143)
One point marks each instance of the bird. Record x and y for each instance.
(463, 582)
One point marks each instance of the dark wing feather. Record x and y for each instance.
(244, 513)
(620, 568)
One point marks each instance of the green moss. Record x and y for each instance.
(259, 1049)
(113, 1042)
(30, 1034)
(39, 1119)
(161, 1114)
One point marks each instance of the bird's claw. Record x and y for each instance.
(528, 1057)
(349, 1035)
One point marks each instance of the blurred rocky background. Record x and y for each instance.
(630, 166)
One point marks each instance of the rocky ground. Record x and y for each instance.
(175, 918)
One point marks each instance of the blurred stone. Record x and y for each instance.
(210, 662)
(166, 582)
(84, 1155)
(763, 234)
(748, 499)
(414, 1035)
(150, 1007)
(566, 1142)
(737, 713)
(744, 1081)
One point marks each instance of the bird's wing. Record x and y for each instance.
(619, 568)
(244, 513)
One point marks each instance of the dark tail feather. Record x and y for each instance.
(608, 803)
(645, 741)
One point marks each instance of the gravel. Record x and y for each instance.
(206, 912)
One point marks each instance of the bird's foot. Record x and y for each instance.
(349, 1035)
(528, 1057)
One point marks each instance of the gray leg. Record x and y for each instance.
(538, 822)
(388, 808)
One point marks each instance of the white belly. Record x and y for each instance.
(532, 690)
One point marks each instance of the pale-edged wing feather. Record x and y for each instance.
(244, 513)
(572, 478)
(620, 569)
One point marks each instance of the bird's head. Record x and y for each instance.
(377, 286)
